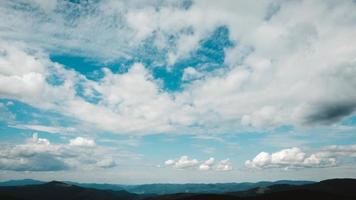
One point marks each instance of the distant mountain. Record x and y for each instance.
(59, 191)
(333, 189)
(99, 186)
(21, 182)
(167, 188)
(162, 189)
(338, 189)
(193, 196)
(203, 188)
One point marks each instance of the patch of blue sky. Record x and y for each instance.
(317, 138)
(212, 50)
(17, 135)
(26, 114)
(93, 98)
(284, 128)
(209, 56)
(161, 147)
(350, 121)
(148, 54)
(238, 147)
(89, 67)
(12, 135)
(54, 79)
(111, 139)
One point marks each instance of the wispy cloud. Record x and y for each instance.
(48, 129)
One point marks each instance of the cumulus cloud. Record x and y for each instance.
(185, 163)
(206, 165)
(296, 158)
(169, 162)
(39, 154)
(82, 142)
(182, 162)
(224, 165)
(106, 163)
(190, 74)
(24, 75)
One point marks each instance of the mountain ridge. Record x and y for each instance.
(332, 189)
(171, 188)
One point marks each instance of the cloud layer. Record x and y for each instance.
(198, 72)
(306, 79)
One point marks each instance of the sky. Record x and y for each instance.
(163, 91)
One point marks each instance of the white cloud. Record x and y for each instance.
(338, 150)
(185, 163)
(143, 22)
(39, 154)
(307, 78)
(41, 141)
(97, 24)
(16, 62)
(291, 158)
(224, 165)
(23, 74)
(190, 74)
(42, 128)
(169, 162)
(82, 142)
(206, 165)
(106, 163)
(182, 163)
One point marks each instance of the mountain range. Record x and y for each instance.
(168, 188)
(332, 189)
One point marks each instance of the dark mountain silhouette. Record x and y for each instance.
(55, 190)
(99, 186)
(333, 189)
(343, 187)
(346, 187)
(193, 196)
(163, 188)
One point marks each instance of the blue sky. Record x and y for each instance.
(177, 91)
